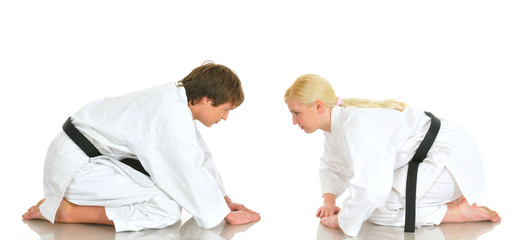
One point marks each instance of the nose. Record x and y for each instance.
(225, 116)
(294, 120)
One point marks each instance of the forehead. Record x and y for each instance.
(294, 105)
(227, 105)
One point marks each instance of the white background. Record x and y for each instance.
(457, 59)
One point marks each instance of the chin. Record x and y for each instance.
(309, 131)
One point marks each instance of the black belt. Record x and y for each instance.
(91, 151)
(413, 165)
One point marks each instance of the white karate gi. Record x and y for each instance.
(368, 151)
(155, 126)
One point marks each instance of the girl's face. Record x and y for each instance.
(306, 117)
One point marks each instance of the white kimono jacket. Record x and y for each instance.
(368, 151)
(155, 126)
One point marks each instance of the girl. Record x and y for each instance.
(368, 145)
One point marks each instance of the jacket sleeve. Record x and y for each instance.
(209, 164)
(158, 127)
(334, 173)
(372, 165)
(173, 157)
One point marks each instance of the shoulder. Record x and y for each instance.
(366, 120)
(160, 106)
(352, 116)
(380, 116)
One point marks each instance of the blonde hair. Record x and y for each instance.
(310, 87)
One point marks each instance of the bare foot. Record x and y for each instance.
(71, 213)
(64, 213)
(61, 215)
(461, 211)
(331, 221)
(457, 201)
(34, 212)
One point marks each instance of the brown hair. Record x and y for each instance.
(215, 81)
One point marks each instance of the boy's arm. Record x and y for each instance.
(209, 164)
(170, 152)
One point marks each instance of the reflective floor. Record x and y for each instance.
(188, 229)
(56, 56)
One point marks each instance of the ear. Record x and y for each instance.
(319, 105)
(205, 100)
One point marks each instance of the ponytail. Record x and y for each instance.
(310, 87)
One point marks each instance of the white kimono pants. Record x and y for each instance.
(130, 204)
(430, 208)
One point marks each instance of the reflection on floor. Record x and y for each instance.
(445, 231)
(190, 230)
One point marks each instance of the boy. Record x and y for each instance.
(133, 161)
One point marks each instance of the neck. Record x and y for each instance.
(193, 109)
(326, 120)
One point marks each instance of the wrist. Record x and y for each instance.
(329, 198)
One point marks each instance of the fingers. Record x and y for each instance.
(249, 210)
(240, 207)
(241, 217)
(248, 217)
(327, 212)
(331, 222)
(324, 221)
(253, 212)
(254, 217)
(243, 208)
(321, 213)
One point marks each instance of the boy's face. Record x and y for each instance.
(209, 115)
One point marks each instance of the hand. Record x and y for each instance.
(238, 207)
(327, 210)
(241, 217)
(329, 206)
(331, 222)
